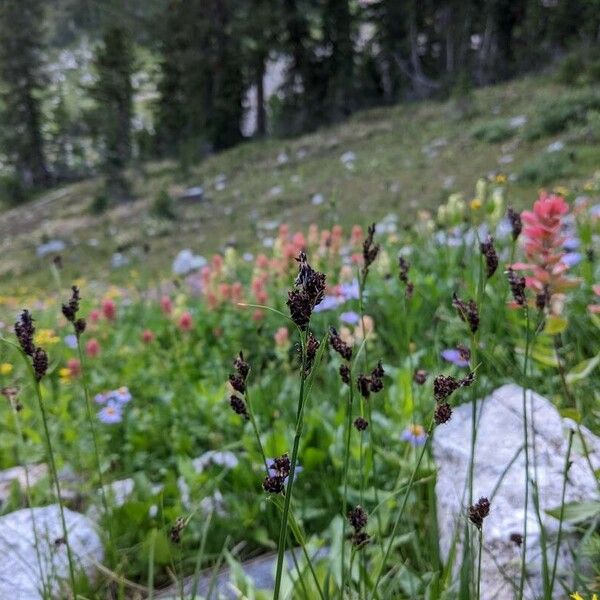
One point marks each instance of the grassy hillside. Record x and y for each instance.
(398, 159)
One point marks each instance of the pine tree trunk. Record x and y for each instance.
(261, 114)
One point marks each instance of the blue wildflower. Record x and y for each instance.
(415, 434)
(455, 356)
(111, 414)
(350, 317)
(70, 341)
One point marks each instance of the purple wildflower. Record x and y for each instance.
(415, 434)
(350, 317)
(454, 356)
(111, 414)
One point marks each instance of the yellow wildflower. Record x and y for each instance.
(45, 337)
(475, 204)
(6, 369)
(500, 178)
(561, 190)
(65, 374)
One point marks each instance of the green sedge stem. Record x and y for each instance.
(290, 486)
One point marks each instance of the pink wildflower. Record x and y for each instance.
(166, 305)
(147, 336)
(282, 337)
(185, 322)
(109, 309)
(92, 348)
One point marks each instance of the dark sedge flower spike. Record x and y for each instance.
(360, 424)
(542, 299)
(404, 267)
(490, 256)
(241, 366)
(312, 345)
(370, 250)
(281, 466)
(24, 330)
(308, 293)
(237, 383)
(377, 378)
(345, 374)
(479, 511)
(517, 286)
(71, 309)
(177, 529)
(467, 311)
(339, 345)
(39, 361)
(358, 519)
(420, 376)
(445, 385)
(238, 406)
(515, 222)
(363, 383)
(516, 539)
(273, 484)
(442, 414)
(238, 379)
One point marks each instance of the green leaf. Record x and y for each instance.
(555, 325)
(583, 369)
(576, 512)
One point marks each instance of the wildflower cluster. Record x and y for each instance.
(517, 287)
(25, 331)
(237, 381)
(113, 403)
(543, 244)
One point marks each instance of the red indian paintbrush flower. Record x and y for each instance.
(543, 245)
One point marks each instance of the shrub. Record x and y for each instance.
(558, 116)
(12, 192)
(99, 204)
(547, 167)
(162, 206)
(493, 132)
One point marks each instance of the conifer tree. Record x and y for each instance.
(113, 93)
(21, 81)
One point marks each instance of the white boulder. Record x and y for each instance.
(22, 576)
(499, 474)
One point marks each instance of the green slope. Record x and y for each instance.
(407, 158)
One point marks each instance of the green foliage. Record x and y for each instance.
(99, 203)
(12, 190)
(113, 93)
(558, 115)
(547, 167)
(162, 206)
(21, 80)
(493, 132)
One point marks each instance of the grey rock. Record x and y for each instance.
(258, 572)
(193, 194)
(186, 261)
(22, 577)
(499, 441)
(50, 247)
